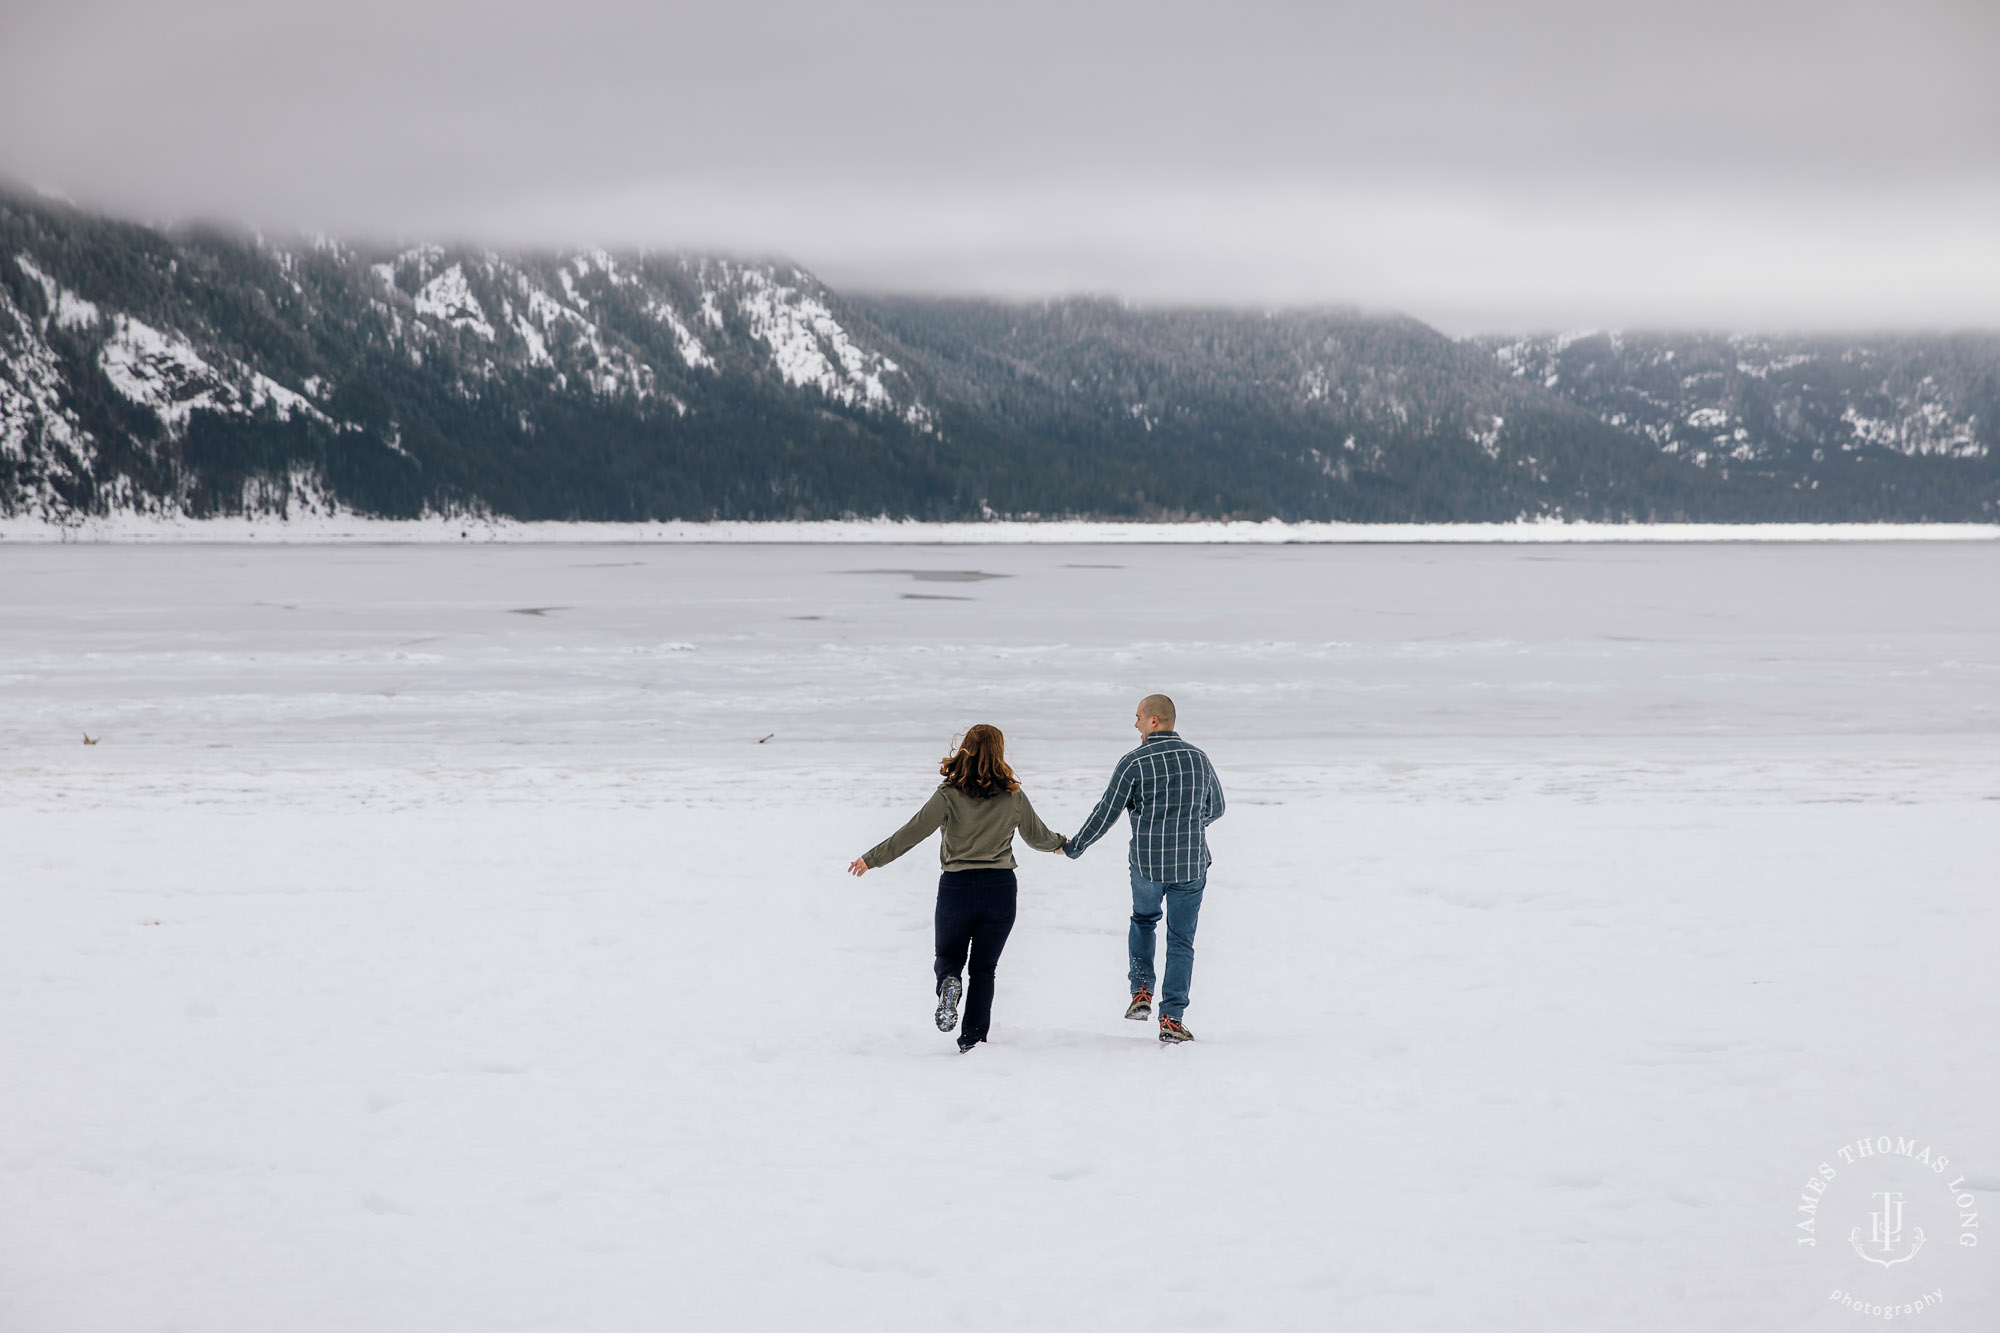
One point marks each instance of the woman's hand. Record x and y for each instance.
(858, 866)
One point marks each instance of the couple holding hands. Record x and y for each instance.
(1170, 789)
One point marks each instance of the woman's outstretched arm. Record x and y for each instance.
(922, 824)
(1033, 831)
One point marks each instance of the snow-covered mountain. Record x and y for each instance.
(203, 372)
(1747, 400)
(200, 372)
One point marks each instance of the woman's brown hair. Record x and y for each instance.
(978, 767)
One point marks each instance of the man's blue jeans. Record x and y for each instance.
(1183, 910)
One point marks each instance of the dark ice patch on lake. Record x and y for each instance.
(935, 575)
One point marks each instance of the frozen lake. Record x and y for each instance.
(447, 938)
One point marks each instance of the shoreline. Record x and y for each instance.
(345, 530)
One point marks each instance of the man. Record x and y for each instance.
(1171, 790)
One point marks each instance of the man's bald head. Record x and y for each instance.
(1158, 706)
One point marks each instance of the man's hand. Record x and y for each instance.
(858, 867)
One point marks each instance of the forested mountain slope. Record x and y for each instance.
(202, 372)
(1887, 424)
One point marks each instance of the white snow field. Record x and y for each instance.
(329, 523)
(452, 938)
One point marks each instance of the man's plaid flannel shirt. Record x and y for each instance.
(1171, 790)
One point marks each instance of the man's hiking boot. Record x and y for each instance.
(1141, 1007)
(1171, 1031)
(947, 1011)
(966, 1047)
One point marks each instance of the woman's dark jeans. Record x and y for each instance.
(975, 912)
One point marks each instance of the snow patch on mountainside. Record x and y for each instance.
(810, 349)
(66, 309)
(538, 347)
(162, 372)
(1765, 369)
(449, 297)
(605, 369)
(1925, 428)
(530, 321)
(685, 342)
(36, 427)
(1487, 436)
(265, 391)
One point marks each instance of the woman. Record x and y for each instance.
(979, 805)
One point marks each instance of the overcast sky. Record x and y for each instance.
(1483, 164)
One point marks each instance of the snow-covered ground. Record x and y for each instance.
(454, 938)
(321, 520)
